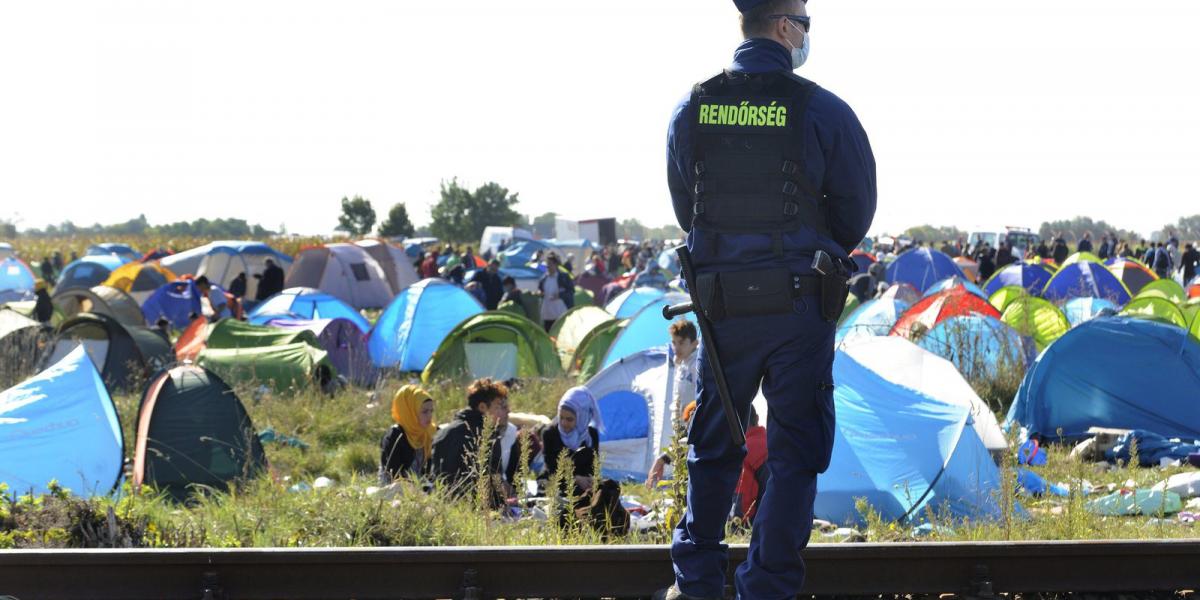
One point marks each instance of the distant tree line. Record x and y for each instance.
(209, 228)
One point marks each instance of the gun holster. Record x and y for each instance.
(834, 289)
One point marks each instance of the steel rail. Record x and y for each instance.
(973, 570)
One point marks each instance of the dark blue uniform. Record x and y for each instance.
(789, 355)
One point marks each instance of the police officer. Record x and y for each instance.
(766, 170)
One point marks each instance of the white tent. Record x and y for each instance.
(223, 261)
(634, 395)
(345, 271)
(396, 264)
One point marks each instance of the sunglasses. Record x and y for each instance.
(805, 22)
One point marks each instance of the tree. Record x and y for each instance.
(397, 223)
(461, 215)
(8, 229)
(1073, 230)
(357, 218)
(1186, 229)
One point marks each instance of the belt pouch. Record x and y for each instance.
(756, 293)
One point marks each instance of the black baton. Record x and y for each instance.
(709, 340)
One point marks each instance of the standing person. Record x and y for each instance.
(493, 286)
(1042, 251)
(1060, 249)
(759, 195)
(47, 269)
(270, 282)
(1160, 261)
(237, 287)
(987, 265)
(1188, 262)
(407, 446)
(558, 291)
(1085, 244)
(1106, 248)
(685, 378)
(43, 307)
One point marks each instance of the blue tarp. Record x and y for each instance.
(629, 302)
(305, 304)
(1085, 280)
(1021, 274)
(872, 318)
(1117, 372)
(922, 268)
(178, 302)
(413, 326)
(646, 329)
(1151, 448)
(521, 252)
(902, 449)
(1079, 310)
(60, 425)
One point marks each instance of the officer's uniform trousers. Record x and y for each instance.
(792, 355)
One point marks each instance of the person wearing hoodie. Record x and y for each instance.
(407, 446)
(454, 447)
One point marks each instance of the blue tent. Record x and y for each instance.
(922, 268)
(953, 282)
(633, 395)
(904, 444)
(87, 272)
(872, 318)
(1021, 274)
(177, 302)
(1118, 372)
(16, 280)
(646, 329)
(1085, 279)
(1079, 310)
(416, 322)
(978, 346)
(61, 424)
(123, 250)
(629, 302)
(521, 252)
(305, 304)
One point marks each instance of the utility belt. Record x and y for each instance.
(766, 292)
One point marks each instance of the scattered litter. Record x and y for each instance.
(1136, 502)
(1031, 453)
(1036, 485)
(843, 534)
(929, 529)
(322, 482)
(1187, 485)
(633, 506)
(1151, 448)
(269, 435)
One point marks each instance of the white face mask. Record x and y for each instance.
(800, 55)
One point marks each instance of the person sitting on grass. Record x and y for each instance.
(573, 430)
(406, 447)
(455, 446)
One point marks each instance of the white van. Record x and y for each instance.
(493, 236)
(1020, 239)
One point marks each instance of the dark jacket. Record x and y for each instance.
(455, 445)
(270, 284)
(43, 309)
(1188, 261)
(1085, 245)
(493, 288)
(396, 455)
(566, 287)
(237, 287)
(1060, 251)
(584, 458)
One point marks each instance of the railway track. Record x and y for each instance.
(971, 570)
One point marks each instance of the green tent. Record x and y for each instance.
(494, 344)
(1157, 309)
(1167, 289)
(589, 356)
(1195, 329)
(281, 367)
(852, 303)
(1036, 318)
(193, 431)
(232, 333)
(1191, 310)
(584, 297)
(1001, 298)
(530, 307)
(570, 330)
(1082, 256)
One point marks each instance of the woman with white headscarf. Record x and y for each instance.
(575, 429)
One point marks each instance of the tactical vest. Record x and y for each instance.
(748, 155)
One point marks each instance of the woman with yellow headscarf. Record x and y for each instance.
(406, 446)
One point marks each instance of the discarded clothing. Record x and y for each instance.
(1151, 448)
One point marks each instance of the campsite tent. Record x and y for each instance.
(872, 318)
(910, 434)
(305, 303)
(1132, 273)
(1082, 257)
(6, 250)
(417, 321)
(1193, 289)
(862, 258)
(629, 302)
(125, 355)
(1031, 277)
(634, 399)
(969, 267)
(88, 271)
(1147, 377)
(345, 271)
(345, 343)
(931, 310)
(521, 252)
(125, 251)
(60, 425)
(1157, 309)
(139, 279)
(1085, 279)
(16, 281)
(21, 340)
(1079, 310)
(282, 367)
(571, 328)
(1168, 289)
(1036, 318)
(222, 261)
(178, 302)
(590, 353)
(953, 282)
(979, 347)
(101, 300)
(397, 266)
(646, 329)
(921, 268)
(902, 291)
(192, 430)
(494, 344)
(1001, 298)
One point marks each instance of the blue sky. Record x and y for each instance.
(980, 113)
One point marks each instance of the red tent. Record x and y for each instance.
(930, 311)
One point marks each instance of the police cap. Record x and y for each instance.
(746, 5)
